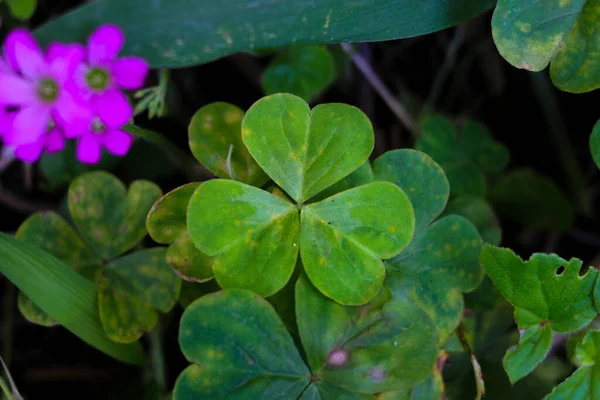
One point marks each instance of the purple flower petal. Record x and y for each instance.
(30, 152)
(15, 91)
(55, 141)
(64, 59)
(105, 43)
(30, 123)
(117, 142)
(72, 114)
(130, 72)
(24, 42)
(113, 108)
(89, 148)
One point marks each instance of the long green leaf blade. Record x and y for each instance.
(178, 33)
(63, 294)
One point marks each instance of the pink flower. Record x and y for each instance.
(101, 134)
(41, 90)
(100, 79)
(50, 141)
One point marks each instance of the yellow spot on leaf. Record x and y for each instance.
(232, 117)
(448, 247)
(393, 228)
(322, 261)
(246, 132)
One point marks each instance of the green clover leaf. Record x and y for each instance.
(215, 138)
(548, 294)
(130, 288)
(480, 213)
(240, 348)
(167, 224)
(301, 70)
(341, 239)
(530, 34)
(441, 261)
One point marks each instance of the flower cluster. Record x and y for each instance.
(69, 92)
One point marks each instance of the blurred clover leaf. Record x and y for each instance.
(531, 34)
(256, 236)
(304, 71)
(442, 259)
(549, 294)
(595, 143)
(109, 221)
(357, 351)
(480, 213)
(465, 155)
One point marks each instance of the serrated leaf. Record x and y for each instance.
(530, 199)
(240, 350)
(215, 137)
(582, 385)
(304, 71)
(305, 151)
(131, 288)
(344, 237)
(533, 347)
(440, 263)
(480, 213)
(421, 178)
(110, 218)
(61, 293)
(253, 234)
(595, 143)
(379, 347)
(529, 34)
(167, 224)
(544, 289)
(235, 27)
(22, 9)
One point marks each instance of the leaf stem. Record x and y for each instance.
(560, 140)
(157, 356)
(5, 390)
(392, 102)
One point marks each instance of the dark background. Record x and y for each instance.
(480, 84)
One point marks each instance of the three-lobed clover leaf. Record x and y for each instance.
(215, 139)
(480, 213)
(240, 348)
(583, 383)
(464, 155)
(595, 143)
(256, 236)
(304, 71)
(110, 221)
(530, 34)
(167, 224)
(548, 294)
(441, 261)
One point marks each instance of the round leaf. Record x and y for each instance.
(215, 136)
(439, 264)
(374, 348)
(595, 143)
(343, 238)
(480, 213)
(131, 288)
(166, 224)
(421, 178)
(305, 151)
(240, 348)
(300, 70)
(108, 218)
(252, 233)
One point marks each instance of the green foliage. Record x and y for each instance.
(357, 351)
(22, 9)
(528, 198)
(539, 289)
(465, 155)
(216, 141)
(480, 213)
(583, 383)
(301, 70)
(530, 34)
(167, 224)
(110, 221)
(62, 293)
(153, 35)
(595, 143)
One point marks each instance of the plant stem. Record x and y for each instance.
(392, 102)
(479, 383)
(560, 140)
(5, 390)
(157, 357)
